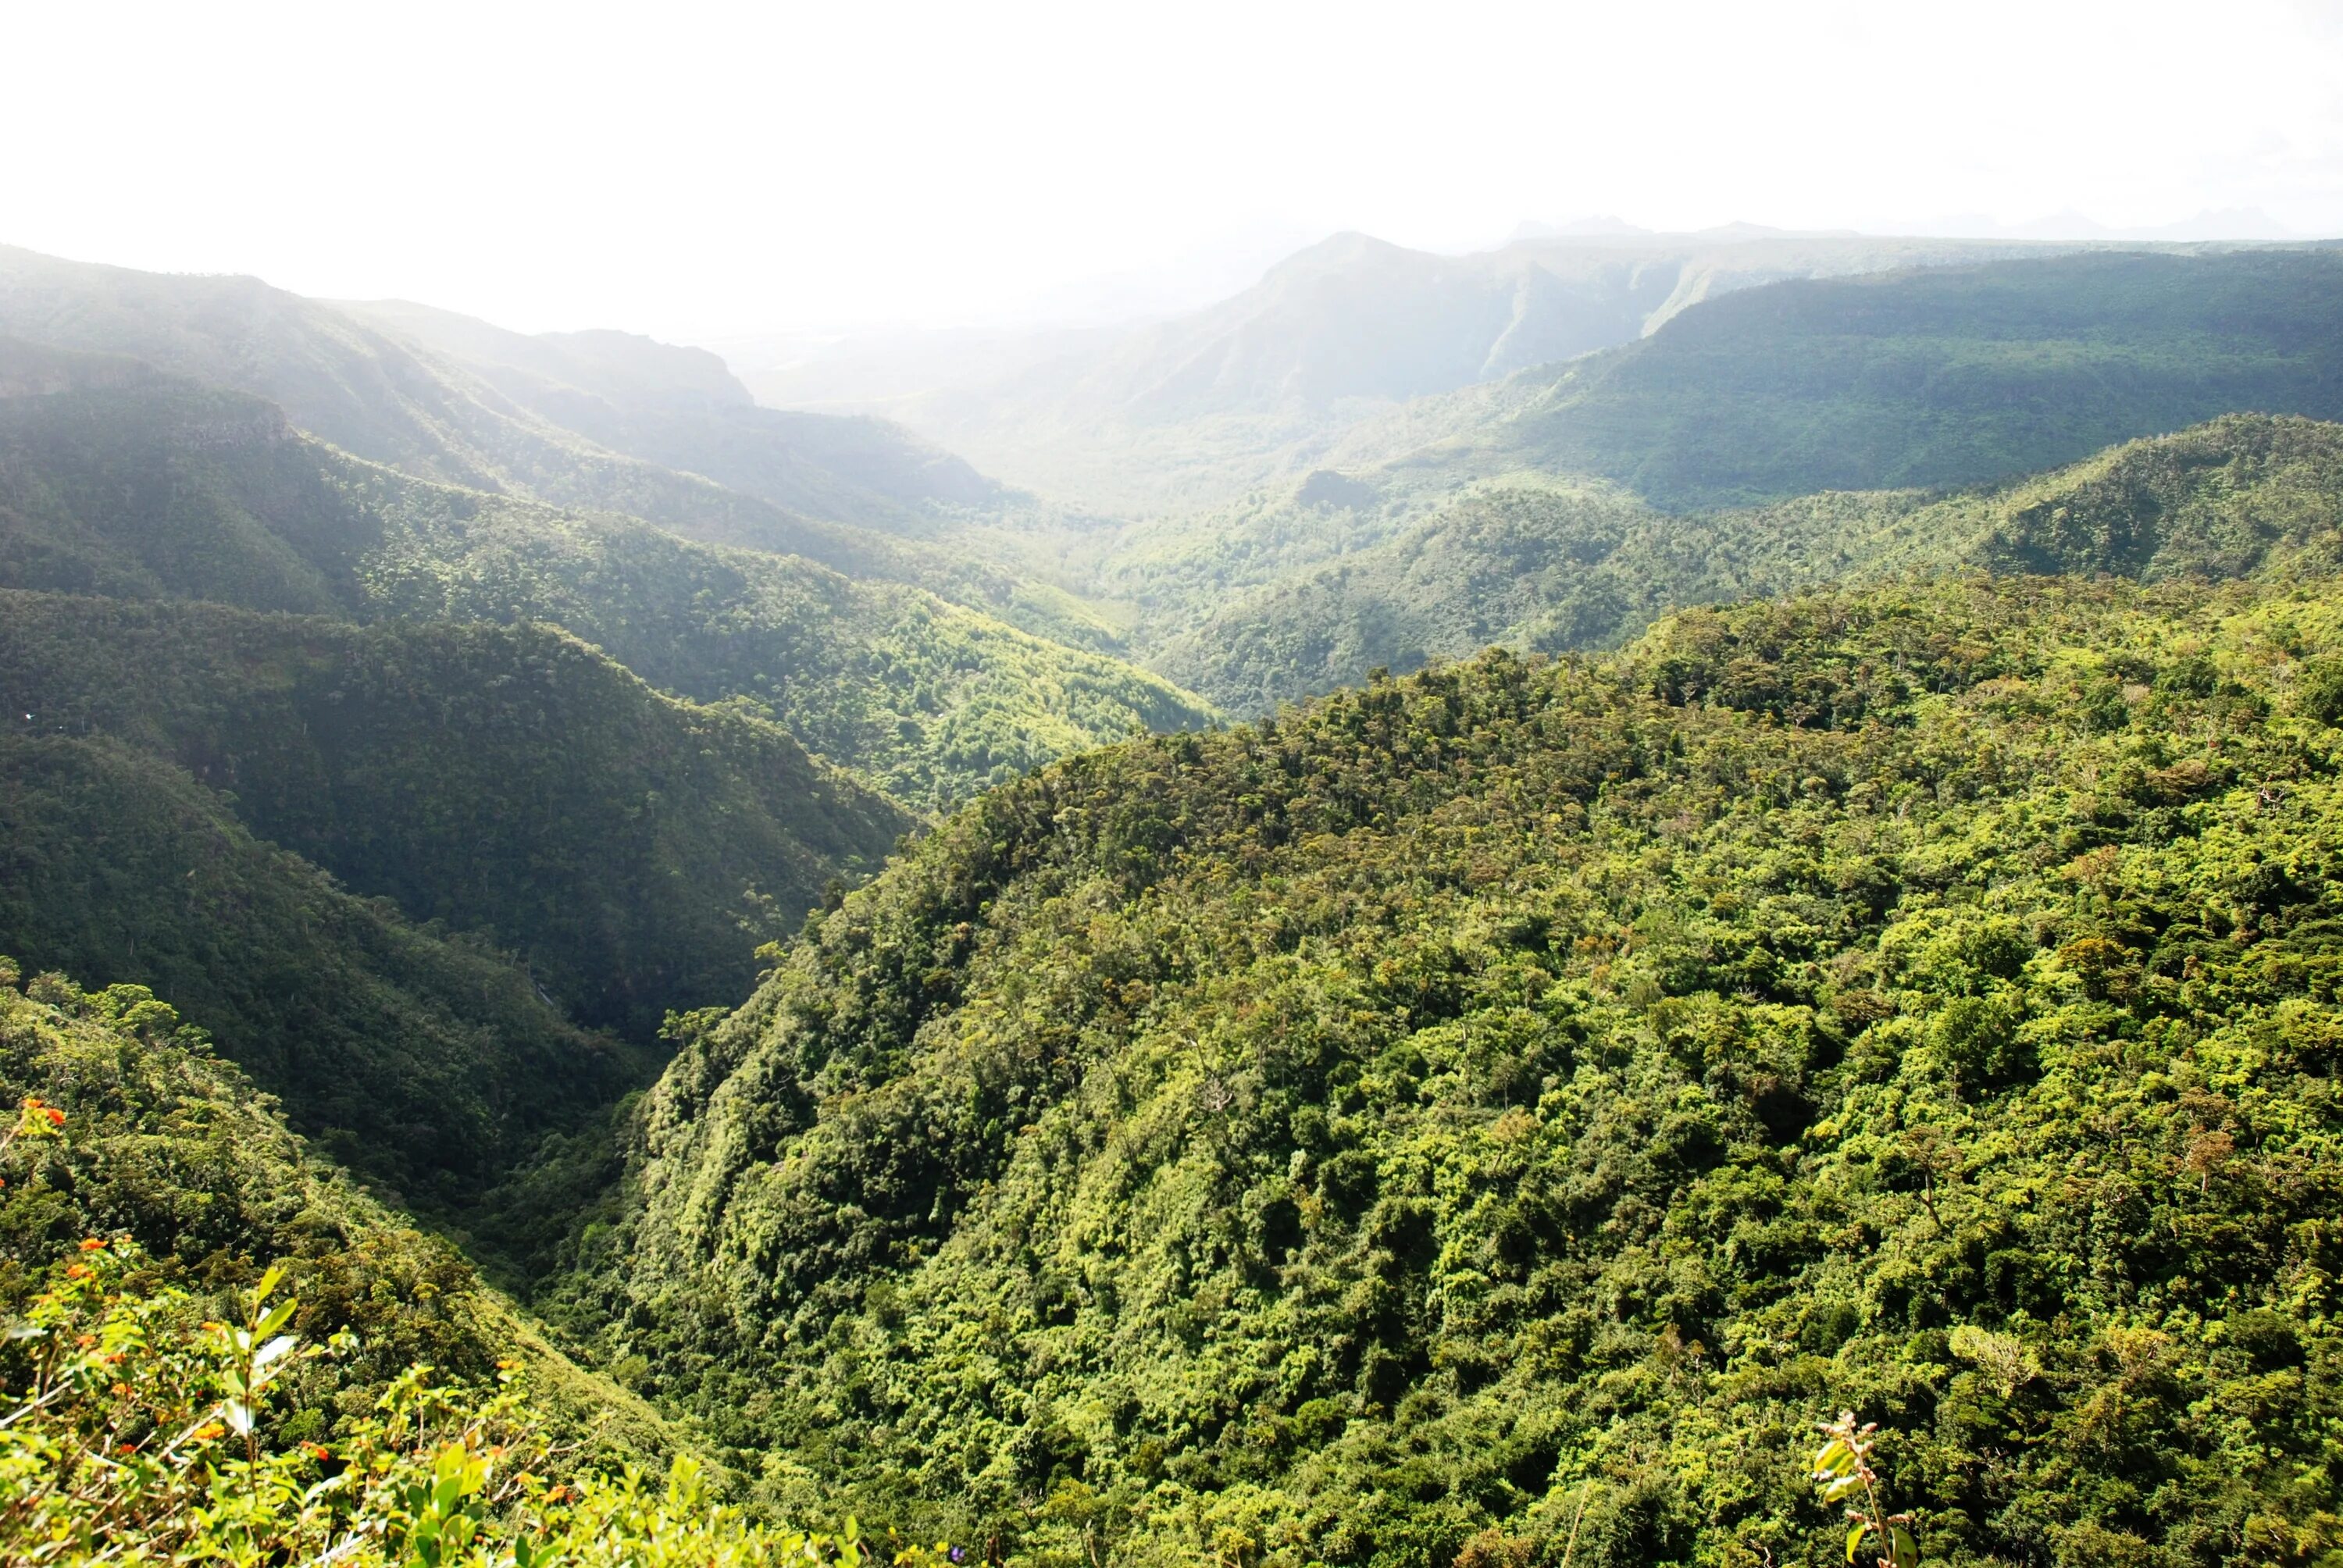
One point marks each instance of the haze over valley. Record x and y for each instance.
(1047, 788)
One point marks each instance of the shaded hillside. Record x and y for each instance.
(1551, 567)
(488, 423)
(117, 480)
(1948, 376)
(680, 408)
(507, 782)
(423, 1062)
(1525, 1090)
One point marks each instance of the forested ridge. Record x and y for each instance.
(1361, 1136)
(1927, 377)
(426, 1062)
(1552, 567)
(1758, 442)
(507, 781)
(120, 481)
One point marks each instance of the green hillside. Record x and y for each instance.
(1530, 1090)
(681, 408)
(1605, 489)
(1936, 377)
(596, 421)
(444, 398)
(1192, 411)
(167, 1152)
(427, 1063)
(508, 782)
(1551, 567)
(117, 480)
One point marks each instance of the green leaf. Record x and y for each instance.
(268, 1283)
(269, 1354)
(1901, 1549)
(1854, 1538)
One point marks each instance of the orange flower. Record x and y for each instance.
(208, 1431)
(85, 1341)
(127, 1448)
(318, 1450)
(57, 1118)
(78, 1271)
(92, 1245)
(120, 1389)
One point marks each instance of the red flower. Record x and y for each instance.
(318, 1450)
(57, 1118)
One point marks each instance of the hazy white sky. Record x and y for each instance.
(686, 168)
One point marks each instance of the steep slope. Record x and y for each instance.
(494, 421)
(1932, 378)
(1553, 567)
(507, 782)
(422, 1061)
(1535, 1091)
(116, 479)
(680, 408)
(1197, 408)
(176, 1163)
(491, 410)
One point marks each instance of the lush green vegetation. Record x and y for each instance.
(135, 1136)
(1378, 1135)
(118, 481)
(1565, 504)
(1484, 1118)
(221, 1352)
(506, 781)
(428, 1062)
(599, 421)
(1549, 567)
(1935, 376)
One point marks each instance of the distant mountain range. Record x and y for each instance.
(2230, 224)
(603, 422)
(1193, 411)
